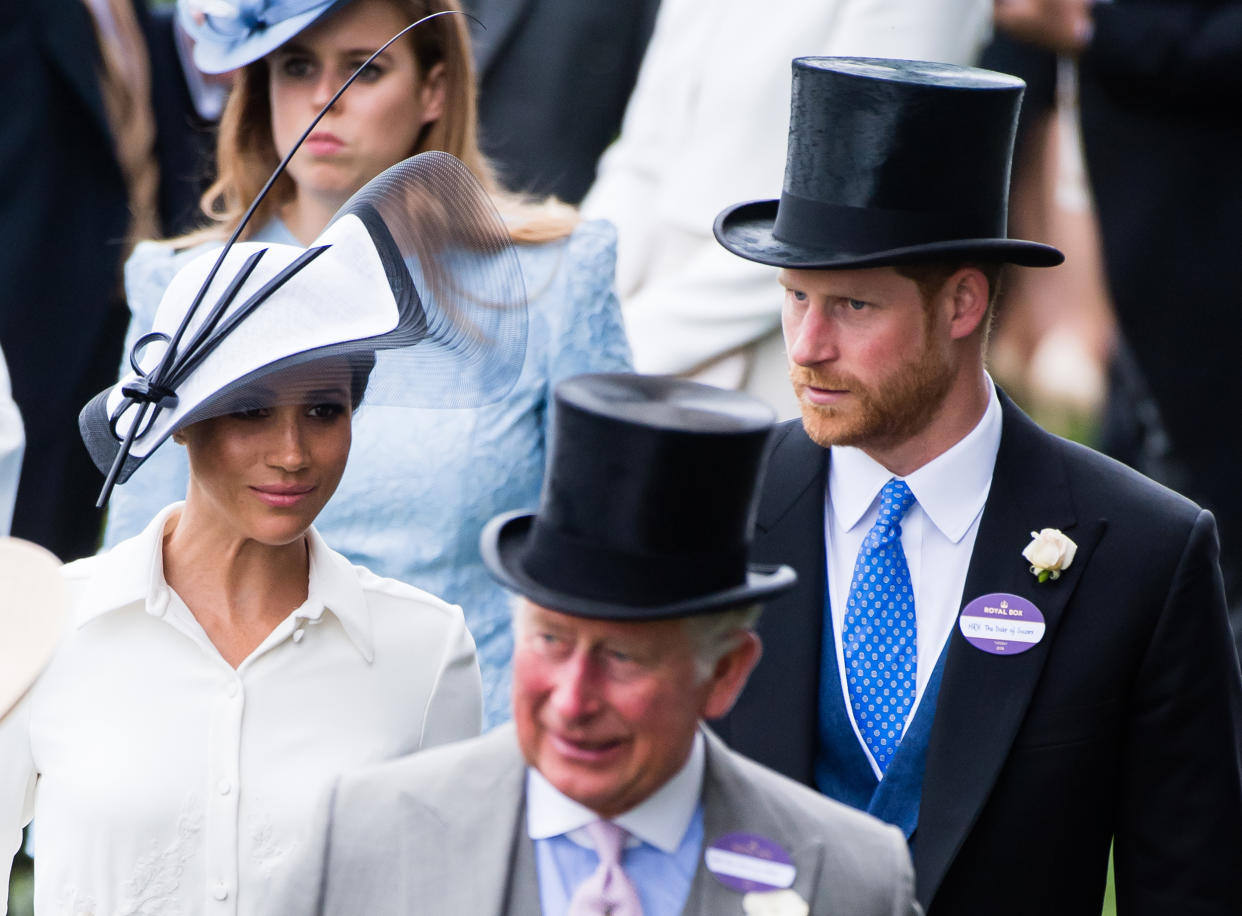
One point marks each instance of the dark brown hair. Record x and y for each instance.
(931, 276)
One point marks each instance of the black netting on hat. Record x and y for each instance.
(443, 242)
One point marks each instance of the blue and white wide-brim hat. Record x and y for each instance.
(417, 266)
(232, 33)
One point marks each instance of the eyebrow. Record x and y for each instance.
(337, 391)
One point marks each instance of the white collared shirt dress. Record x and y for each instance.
(162, 781)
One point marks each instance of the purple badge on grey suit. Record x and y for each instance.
(747, 862)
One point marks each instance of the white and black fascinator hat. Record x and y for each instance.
(417, 264)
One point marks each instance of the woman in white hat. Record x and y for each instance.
(222, 666)
(414, 505)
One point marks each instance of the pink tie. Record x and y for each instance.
(609, 891)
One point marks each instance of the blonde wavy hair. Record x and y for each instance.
(246, 152)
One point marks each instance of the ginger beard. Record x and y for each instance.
(881, 414)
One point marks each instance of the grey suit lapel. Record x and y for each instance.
(983, 698)
(731, 804)
(522, 894)
(475, 870)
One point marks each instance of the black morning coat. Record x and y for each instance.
(1124, 724)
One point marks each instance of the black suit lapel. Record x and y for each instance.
(499, 17)
(984, 697)
(788, 529)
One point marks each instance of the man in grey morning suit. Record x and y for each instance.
(606, 795)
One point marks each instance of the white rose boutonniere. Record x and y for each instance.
(775, 903)
(1050, 553)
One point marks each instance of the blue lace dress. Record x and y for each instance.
(421, 484)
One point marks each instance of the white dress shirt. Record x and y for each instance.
(937, 535)
(163, 781)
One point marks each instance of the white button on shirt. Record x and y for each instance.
(164, 781)
(937, 535)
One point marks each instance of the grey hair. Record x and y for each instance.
(715, 635)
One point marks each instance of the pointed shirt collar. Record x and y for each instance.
(950, 489)
(661, 820)
(133, 574)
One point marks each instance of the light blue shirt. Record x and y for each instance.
(421, 483)
(660, 857)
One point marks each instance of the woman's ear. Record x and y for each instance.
(433, 92)
(179, 437)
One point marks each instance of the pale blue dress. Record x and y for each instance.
(421, 483)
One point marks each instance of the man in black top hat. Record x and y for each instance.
(635, 622)
(1009, 646)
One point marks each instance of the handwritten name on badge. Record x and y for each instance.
(1002, 624)
(746, 862)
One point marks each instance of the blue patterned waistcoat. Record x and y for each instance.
(842, 770)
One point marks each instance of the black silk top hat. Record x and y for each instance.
(648, 504)
(890, 162)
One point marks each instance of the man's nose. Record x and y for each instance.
(811, 338)
(576, 695)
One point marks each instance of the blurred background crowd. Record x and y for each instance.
(653, 115)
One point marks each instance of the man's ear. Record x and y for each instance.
(966, 295)
(730, 676)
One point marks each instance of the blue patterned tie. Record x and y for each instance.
(878, 636)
